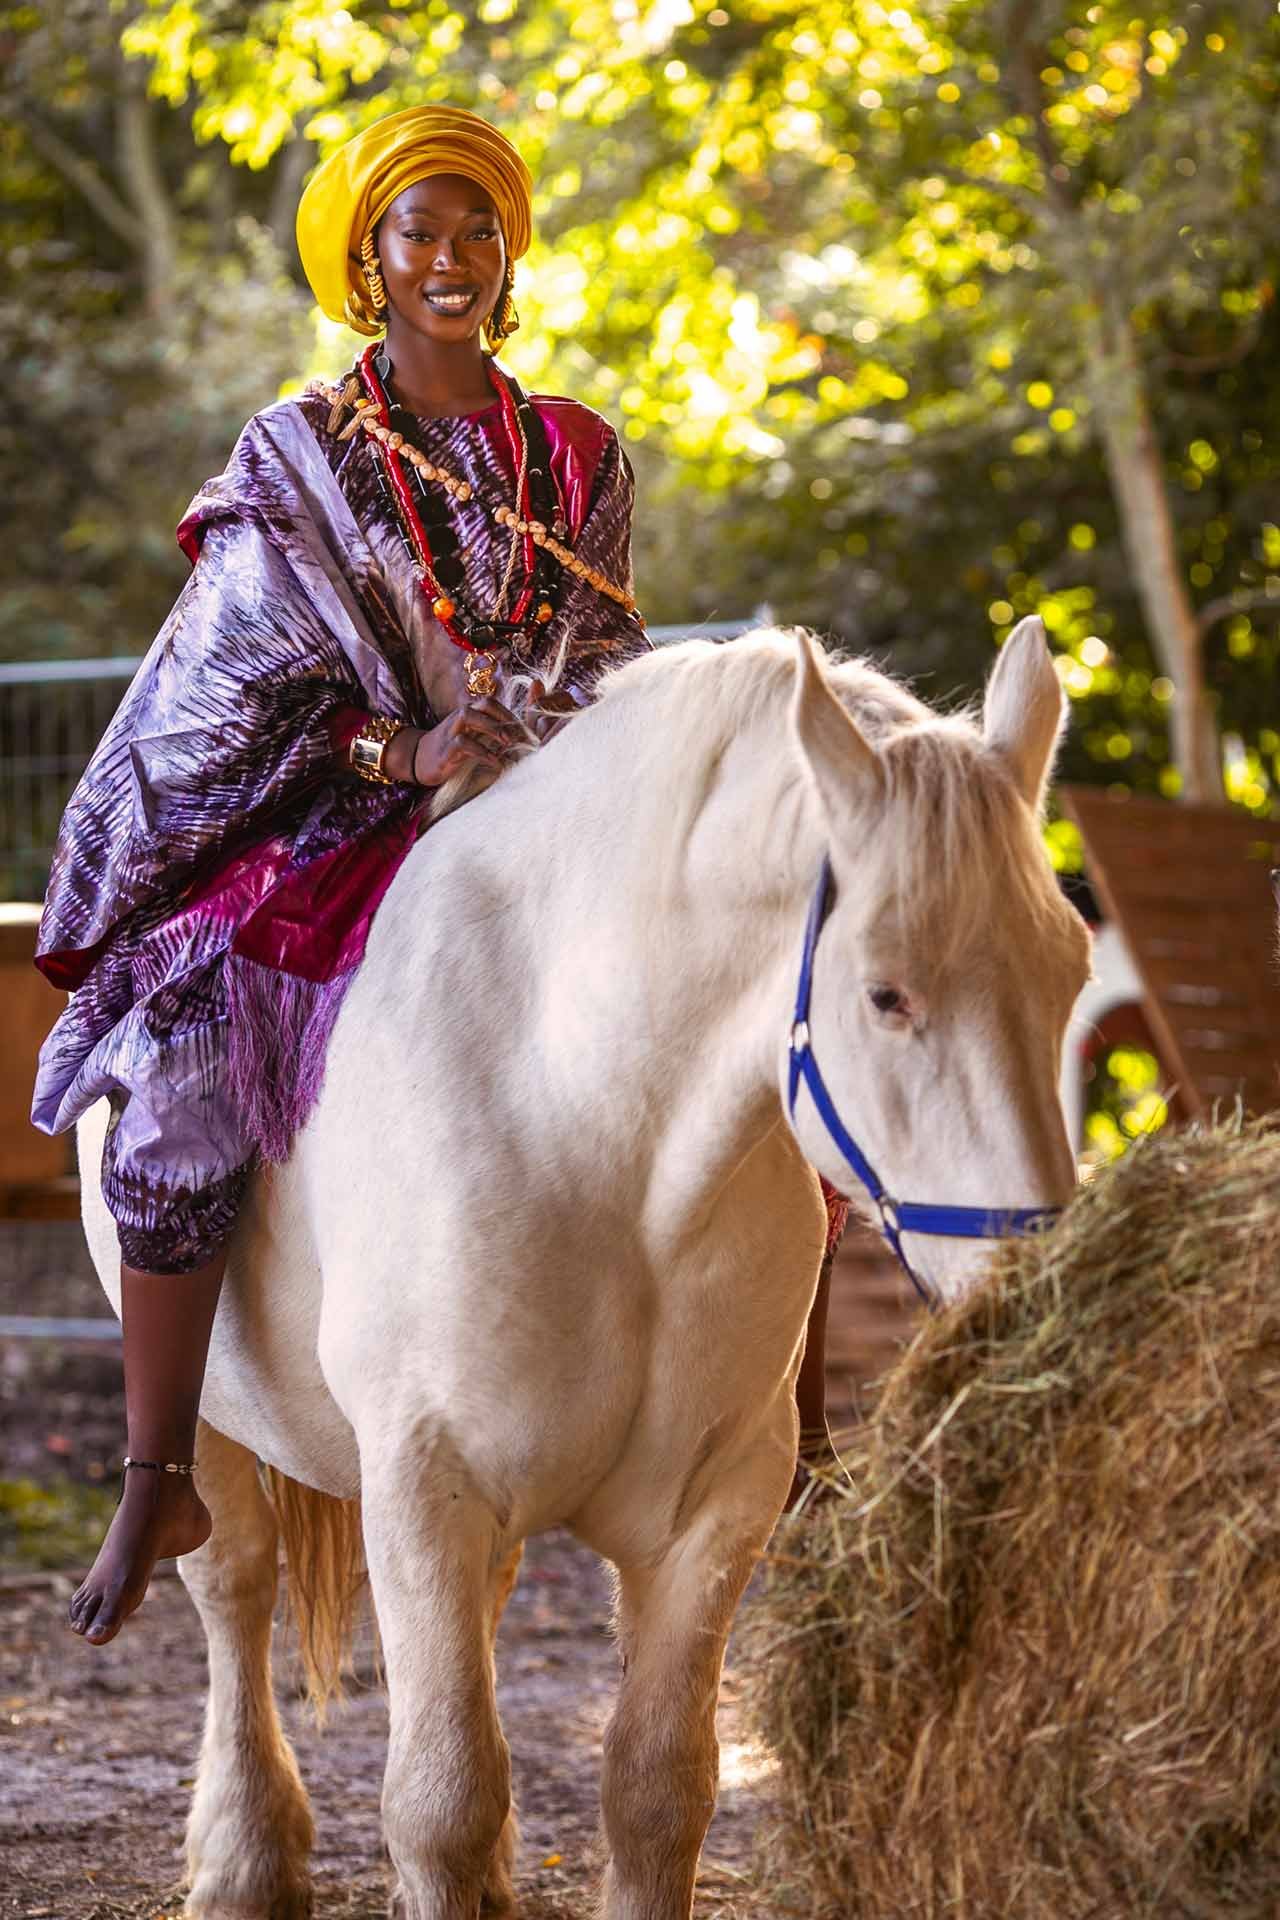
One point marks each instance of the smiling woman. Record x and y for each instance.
(398, 583)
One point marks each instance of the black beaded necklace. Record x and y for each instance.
(435, 531)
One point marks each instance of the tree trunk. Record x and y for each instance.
(292, 163)
(1136, 471)
(140, 171)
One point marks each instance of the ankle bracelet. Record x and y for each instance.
(159, 1466)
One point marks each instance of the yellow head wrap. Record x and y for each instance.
(349, 193)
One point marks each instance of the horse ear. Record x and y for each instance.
(1025, 708)
(842, 763)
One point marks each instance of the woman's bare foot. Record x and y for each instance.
(166, 1321)
(160, 1515)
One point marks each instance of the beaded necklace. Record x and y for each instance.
(542, 531)
(476, 636)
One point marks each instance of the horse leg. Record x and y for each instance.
(499, 1887)
(498, 1895)
(249, 1832)
(661, 1755)
(438, 1587)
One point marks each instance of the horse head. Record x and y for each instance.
(949, 962)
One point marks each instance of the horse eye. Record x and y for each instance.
(887, 1000)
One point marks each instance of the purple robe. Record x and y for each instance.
(218, 866)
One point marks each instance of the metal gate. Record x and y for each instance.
(52, 715)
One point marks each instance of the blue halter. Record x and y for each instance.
(896, 1216)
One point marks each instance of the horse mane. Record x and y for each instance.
(947, 789)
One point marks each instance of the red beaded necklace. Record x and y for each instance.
(481, 674)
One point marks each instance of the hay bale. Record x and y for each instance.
(1029, 1665)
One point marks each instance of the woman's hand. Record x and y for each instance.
(545, 713)
(478, 733)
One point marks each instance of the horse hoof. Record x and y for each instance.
(497, 1902)
(286, 1906)
(499, 1896)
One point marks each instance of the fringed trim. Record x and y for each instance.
(279, 1028)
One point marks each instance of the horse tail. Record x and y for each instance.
(325, 1581)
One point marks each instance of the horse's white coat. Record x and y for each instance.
(545, 1252)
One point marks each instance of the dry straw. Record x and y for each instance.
(1028, 1666)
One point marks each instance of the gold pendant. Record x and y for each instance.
(482, 681)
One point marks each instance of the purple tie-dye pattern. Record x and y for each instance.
(218, 866)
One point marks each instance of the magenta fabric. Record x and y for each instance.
(315, 920)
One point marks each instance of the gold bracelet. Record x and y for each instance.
(368, 748)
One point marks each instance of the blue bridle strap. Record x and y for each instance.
(896, 1216)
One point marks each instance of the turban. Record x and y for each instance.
(350, 191)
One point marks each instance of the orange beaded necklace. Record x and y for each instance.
(478, 637)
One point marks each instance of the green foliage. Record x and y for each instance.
(59, 1525)
(131, 417)
(835, 268)
(132, 364)
(1125, 1102)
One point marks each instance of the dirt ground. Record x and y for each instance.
(97, 1750)
(98, 1746)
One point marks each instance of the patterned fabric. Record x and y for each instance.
(218, 865)
(838, 1209)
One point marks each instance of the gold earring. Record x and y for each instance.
(373, 274)
(505, 320)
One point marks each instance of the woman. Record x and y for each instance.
(377, 565)
(335, 658)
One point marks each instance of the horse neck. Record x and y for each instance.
(652, 907)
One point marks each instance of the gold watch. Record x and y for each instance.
(369, 747)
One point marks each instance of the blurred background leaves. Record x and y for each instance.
(915, 319)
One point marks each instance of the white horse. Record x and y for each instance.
(545, 1251)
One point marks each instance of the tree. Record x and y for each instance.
(915, 317)
(146, 313)
(1067, 206)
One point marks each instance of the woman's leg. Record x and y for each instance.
(174, 1169)
(816, 1448)
(811, 1383)
(167, 1319)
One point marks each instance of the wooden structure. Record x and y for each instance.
(36, 1181)
(1190, 889)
